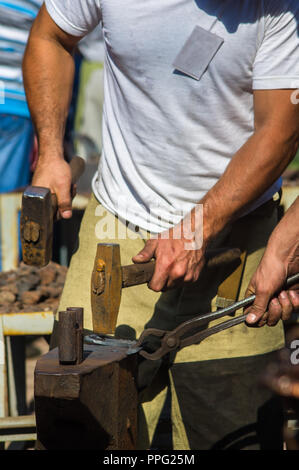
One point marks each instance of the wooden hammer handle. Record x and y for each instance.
(77, 166)
(135, 274)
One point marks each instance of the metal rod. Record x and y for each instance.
(70, 341)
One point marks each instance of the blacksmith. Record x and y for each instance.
(198, 124)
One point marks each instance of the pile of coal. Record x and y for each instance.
(30, 289)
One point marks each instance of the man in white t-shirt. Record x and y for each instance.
(199, 120)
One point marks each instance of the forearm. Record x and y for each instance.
(284, 241)
(48, 70)
(253, 169)
(280, 260)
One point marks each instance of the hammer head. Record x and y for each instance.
(37, 226)
(106, 286)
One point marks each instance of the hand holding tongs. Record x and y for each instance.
(180, 337)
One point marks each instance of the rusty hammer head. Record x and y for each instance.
(37, 226)
(106, 287)
(39, 207)
(109, 277)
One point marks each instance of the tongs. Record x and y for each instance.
(187, 334)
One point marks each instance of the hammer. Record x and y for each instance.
(109, 278)
(39, 208)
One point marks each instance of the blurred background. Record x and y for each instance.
(29, 297)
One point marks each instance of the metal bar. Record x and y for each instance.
(36, 323)
(11, 382)
(18, 437)
(2, 370)
(9, 207)
(13, 429)
(17, 422)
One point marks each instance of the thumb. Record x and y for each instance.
(259, 307)
(64, 202)
(147, 253)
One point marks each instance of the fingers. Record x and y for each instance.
(174, 265)
(64, 191)
(159, 280)
(64, 201)
(160, 276)
(288, 387)
(284, 386)
(147, 253)
(178, 274)
(256, 312)
(56, 175)
(281, 307)
(282, 380)
(274, 312)
(294, 297)
(286, 305)
(171, 273)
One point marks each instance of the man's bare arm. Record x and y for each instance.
(258, 164)
(252, 170)
(48, 70)
(280, 260)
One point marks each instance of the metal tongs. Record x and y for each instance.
(182, 336)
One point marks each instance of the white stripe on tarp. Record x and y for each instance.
(13, 34)
(15, 97)
(10, 73)
(18, 8)
(27, 4)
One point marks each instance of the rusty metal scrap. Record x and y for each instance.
(29, 289)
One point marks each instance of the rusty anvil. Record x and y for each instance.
(39, 208)
(86, 393)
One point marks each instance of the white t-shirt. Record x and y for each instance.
(168, 137)
(92, 46)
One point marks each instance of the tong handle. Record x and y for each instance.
(208, 317)
(171, 340)
(197, 337)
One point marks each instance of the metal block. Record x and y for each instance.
(88, 406)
